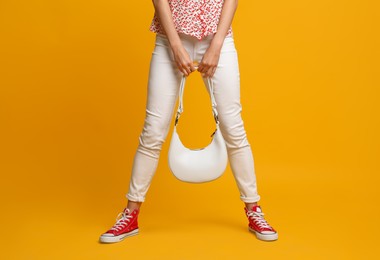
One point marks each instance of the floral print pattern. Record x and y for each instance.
(197, 18)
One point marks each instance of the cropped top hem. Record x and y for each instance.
(198, 36)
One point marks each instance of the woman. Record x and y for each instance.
(190, 33)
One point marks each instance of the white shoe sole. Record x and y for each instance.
(264, 237)
(113, 239)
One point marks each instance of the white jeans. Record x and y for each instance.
(163, 90)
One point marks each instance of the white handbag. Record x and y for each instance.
(202, 164)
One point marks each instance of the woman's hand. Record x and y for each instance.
(183, 60)
(181, 57)
(210, 60)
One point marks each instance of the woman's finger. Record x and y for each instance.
(200, 68)
(213, 71)
(183, 70)
(209, 71)
(192, 67)
(179, 67)
(186, 69)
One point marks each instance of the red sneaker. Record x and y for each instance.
(126, 225)
(259, 226)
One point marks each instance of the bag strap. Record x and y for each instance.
(213, 101)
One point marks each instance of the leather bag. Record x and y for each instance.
(202, 164)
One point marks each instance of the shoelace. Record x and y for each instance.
(258, 218)
(121, 221)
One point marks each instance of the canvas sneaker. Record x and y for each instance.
(126, 225)
(259, 226)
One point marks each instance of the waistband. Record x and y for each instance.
(192, 38)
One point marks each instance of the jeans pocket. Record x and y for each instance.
(228, 45)
(162, 38)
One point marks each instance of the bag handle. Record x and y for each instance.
(213, 101)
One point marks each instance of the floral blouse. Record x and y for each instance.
(197, 18)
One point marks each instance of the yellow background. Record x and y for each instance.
(73, 82)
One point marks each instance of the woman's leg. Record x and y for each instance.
(226, 81)
(163, 84)
(227, 95)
